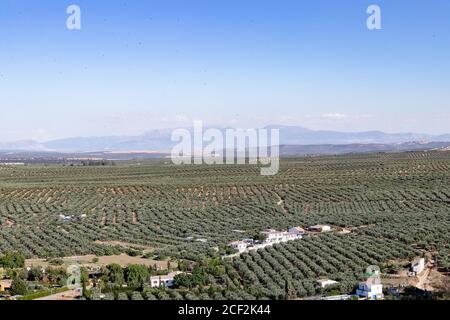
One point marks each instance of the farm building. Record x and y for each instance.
(297, 230)
(164, 281)
(372, 291)
(274, 236)
(319, 228)
(418, 265)
(325, 282)
(65, 218)
(241, 246)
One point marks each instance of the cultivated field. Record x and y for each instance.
(397, 206)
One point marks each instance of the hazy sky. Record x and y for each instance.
(139, 65)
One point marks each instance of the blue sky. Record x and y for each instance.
(139, 65)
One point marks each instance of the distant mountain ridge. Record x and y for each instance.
(160, 140)
(291, 135)
(22, 145)
(338, 149)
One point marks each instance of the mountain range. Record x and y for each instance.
(160, 140)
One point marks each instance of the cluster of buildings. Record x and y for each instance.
(158, 281)
(366, 290)
(372, 290)
(273, 236)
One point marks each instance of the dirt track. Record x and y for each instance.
(66, 295)
(423, 279)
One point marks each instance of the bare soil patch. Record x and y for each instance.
(10, 223)
(125, 245)
(87, 261)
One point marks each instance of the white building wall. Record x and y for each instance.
(373, 291)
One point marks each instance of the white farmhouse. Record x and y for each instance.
(240, 246)
(418, 265)
(65, 218)
(274, 236)
(297, 231)
(320, 228)
(287, 236)
(372, 291)
(164, 281)
(325, 282)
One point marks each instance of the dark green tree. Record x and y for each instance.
(12, 259)
(183, 280)
(19, 287)
(114, 273)
(35, 274)
(136, 275)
